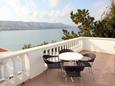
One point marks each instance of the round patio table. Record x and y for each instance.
(70, 56)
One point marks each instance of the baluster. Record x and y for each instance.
(15, 74)
(70, 45)
(23, 64)
(67, 45)
(46, 52)
(6, 73)
(61, 47)
(74, 43)
(25, 74)
(57, 51)
(27, 64)
(64, 47)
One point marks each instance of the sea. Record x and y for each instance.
(15, 39)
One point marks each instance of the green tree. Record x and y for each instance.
(110, 21)
(68, 35)
(26, 46)
(102, 29)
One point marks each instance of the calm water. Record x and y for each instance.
(14, 40)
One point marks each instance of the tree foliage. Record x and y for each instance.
(109, 21)
(85, 22)
(26, 46)
(88, 27)
(68, 35)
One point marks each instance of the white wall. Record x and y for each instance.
(37, 64)
(106, 45)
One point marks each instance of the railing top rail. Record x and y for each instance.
(20, 52)
(99, 38)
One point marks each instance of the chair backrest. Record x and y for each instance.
(65, 50)
(73, 71)
(45, 57)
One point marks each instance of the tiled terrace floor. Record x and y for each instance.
(102, 68)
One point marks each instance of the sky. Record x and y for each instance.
(53, 11)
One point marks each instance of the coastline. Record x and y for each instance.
(32, 29)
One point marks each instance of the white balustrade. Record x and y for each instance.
(13, 70)
(19, 66)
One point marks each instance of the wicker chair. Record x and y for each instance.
(72, 71)
(88, 63)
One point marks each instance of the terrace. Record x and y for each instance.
(32, 69)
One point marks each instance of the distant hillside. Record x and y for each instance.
(19, 25)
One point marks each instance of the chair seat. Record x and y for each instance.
(54, 65)
(91, 57)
